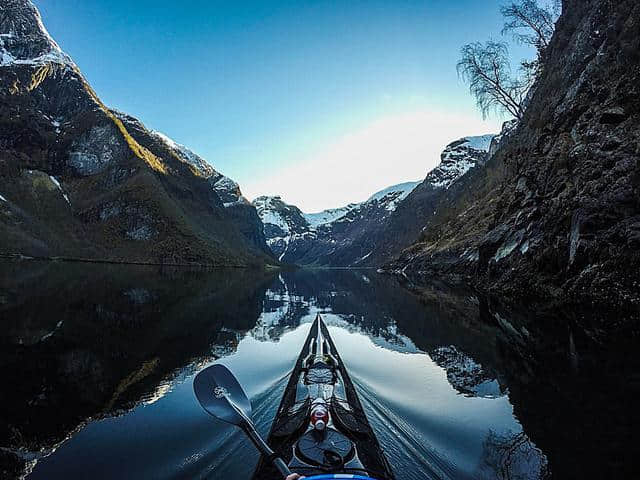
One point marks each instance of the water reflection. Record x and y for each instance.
(101, 358)
(85, 341)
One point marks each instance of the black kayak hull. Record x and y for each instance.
(351, 422)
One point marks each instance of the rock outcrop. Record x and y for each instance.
(556, 213)
(80, 180)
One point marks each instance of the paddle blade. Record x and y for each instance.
(218, 391)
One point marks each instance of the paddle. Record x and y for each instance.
(220, 394)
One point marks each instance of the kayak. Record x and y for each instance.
(320, 426)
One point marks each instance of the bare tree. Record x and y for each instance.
(487, 70)
(531, 23)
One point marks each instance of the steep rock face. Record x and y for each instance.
(79, 180)
(556, 213)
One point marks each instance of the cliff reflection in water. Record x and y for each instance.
(82, 342)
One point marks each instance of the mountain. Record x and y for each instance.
(443, 184)
(228, 190)
(370, 233)
(321, 238)
(350, 239)
(80, 180)
(556, 212)
(281, 223)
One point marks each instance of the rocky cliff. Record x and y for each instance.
(80, 180)
(556, 213)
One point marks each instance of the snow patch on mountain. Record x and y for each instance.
(22, 34)
(458, 158)
(226, 183)
(282, 223)
(57, 184)
(186, 154)
(273, 211)
(274, 218)
(328, 216)
(392, 196)
(226, 188)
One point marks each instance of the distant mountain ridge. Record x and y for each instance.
(80, 180)
(369, 233)
(287, 226)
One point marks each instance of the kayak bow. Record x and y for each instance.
(320, 426)
(320, 429)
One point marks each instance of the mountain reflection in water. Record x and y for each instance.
(100, 360)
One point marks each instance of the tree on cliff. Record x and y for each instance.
(530, 23)
(487, 67)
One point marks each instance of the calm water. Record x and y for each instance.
(100, 361)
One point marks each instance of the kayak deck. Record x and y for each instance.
(348, 416)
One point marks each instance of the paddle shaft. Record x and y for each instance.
(266, 450)
(261, 445)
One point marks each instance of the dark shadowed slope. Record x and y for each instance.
(556, 213)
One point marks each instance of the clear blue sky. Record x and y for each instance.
(323, 102)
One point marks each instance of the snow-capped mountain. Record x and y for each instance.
(279, 218)
(80, 180)
(282, 223)
(294, 236)
(369, 233)
(283, 220)
(390, 197)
